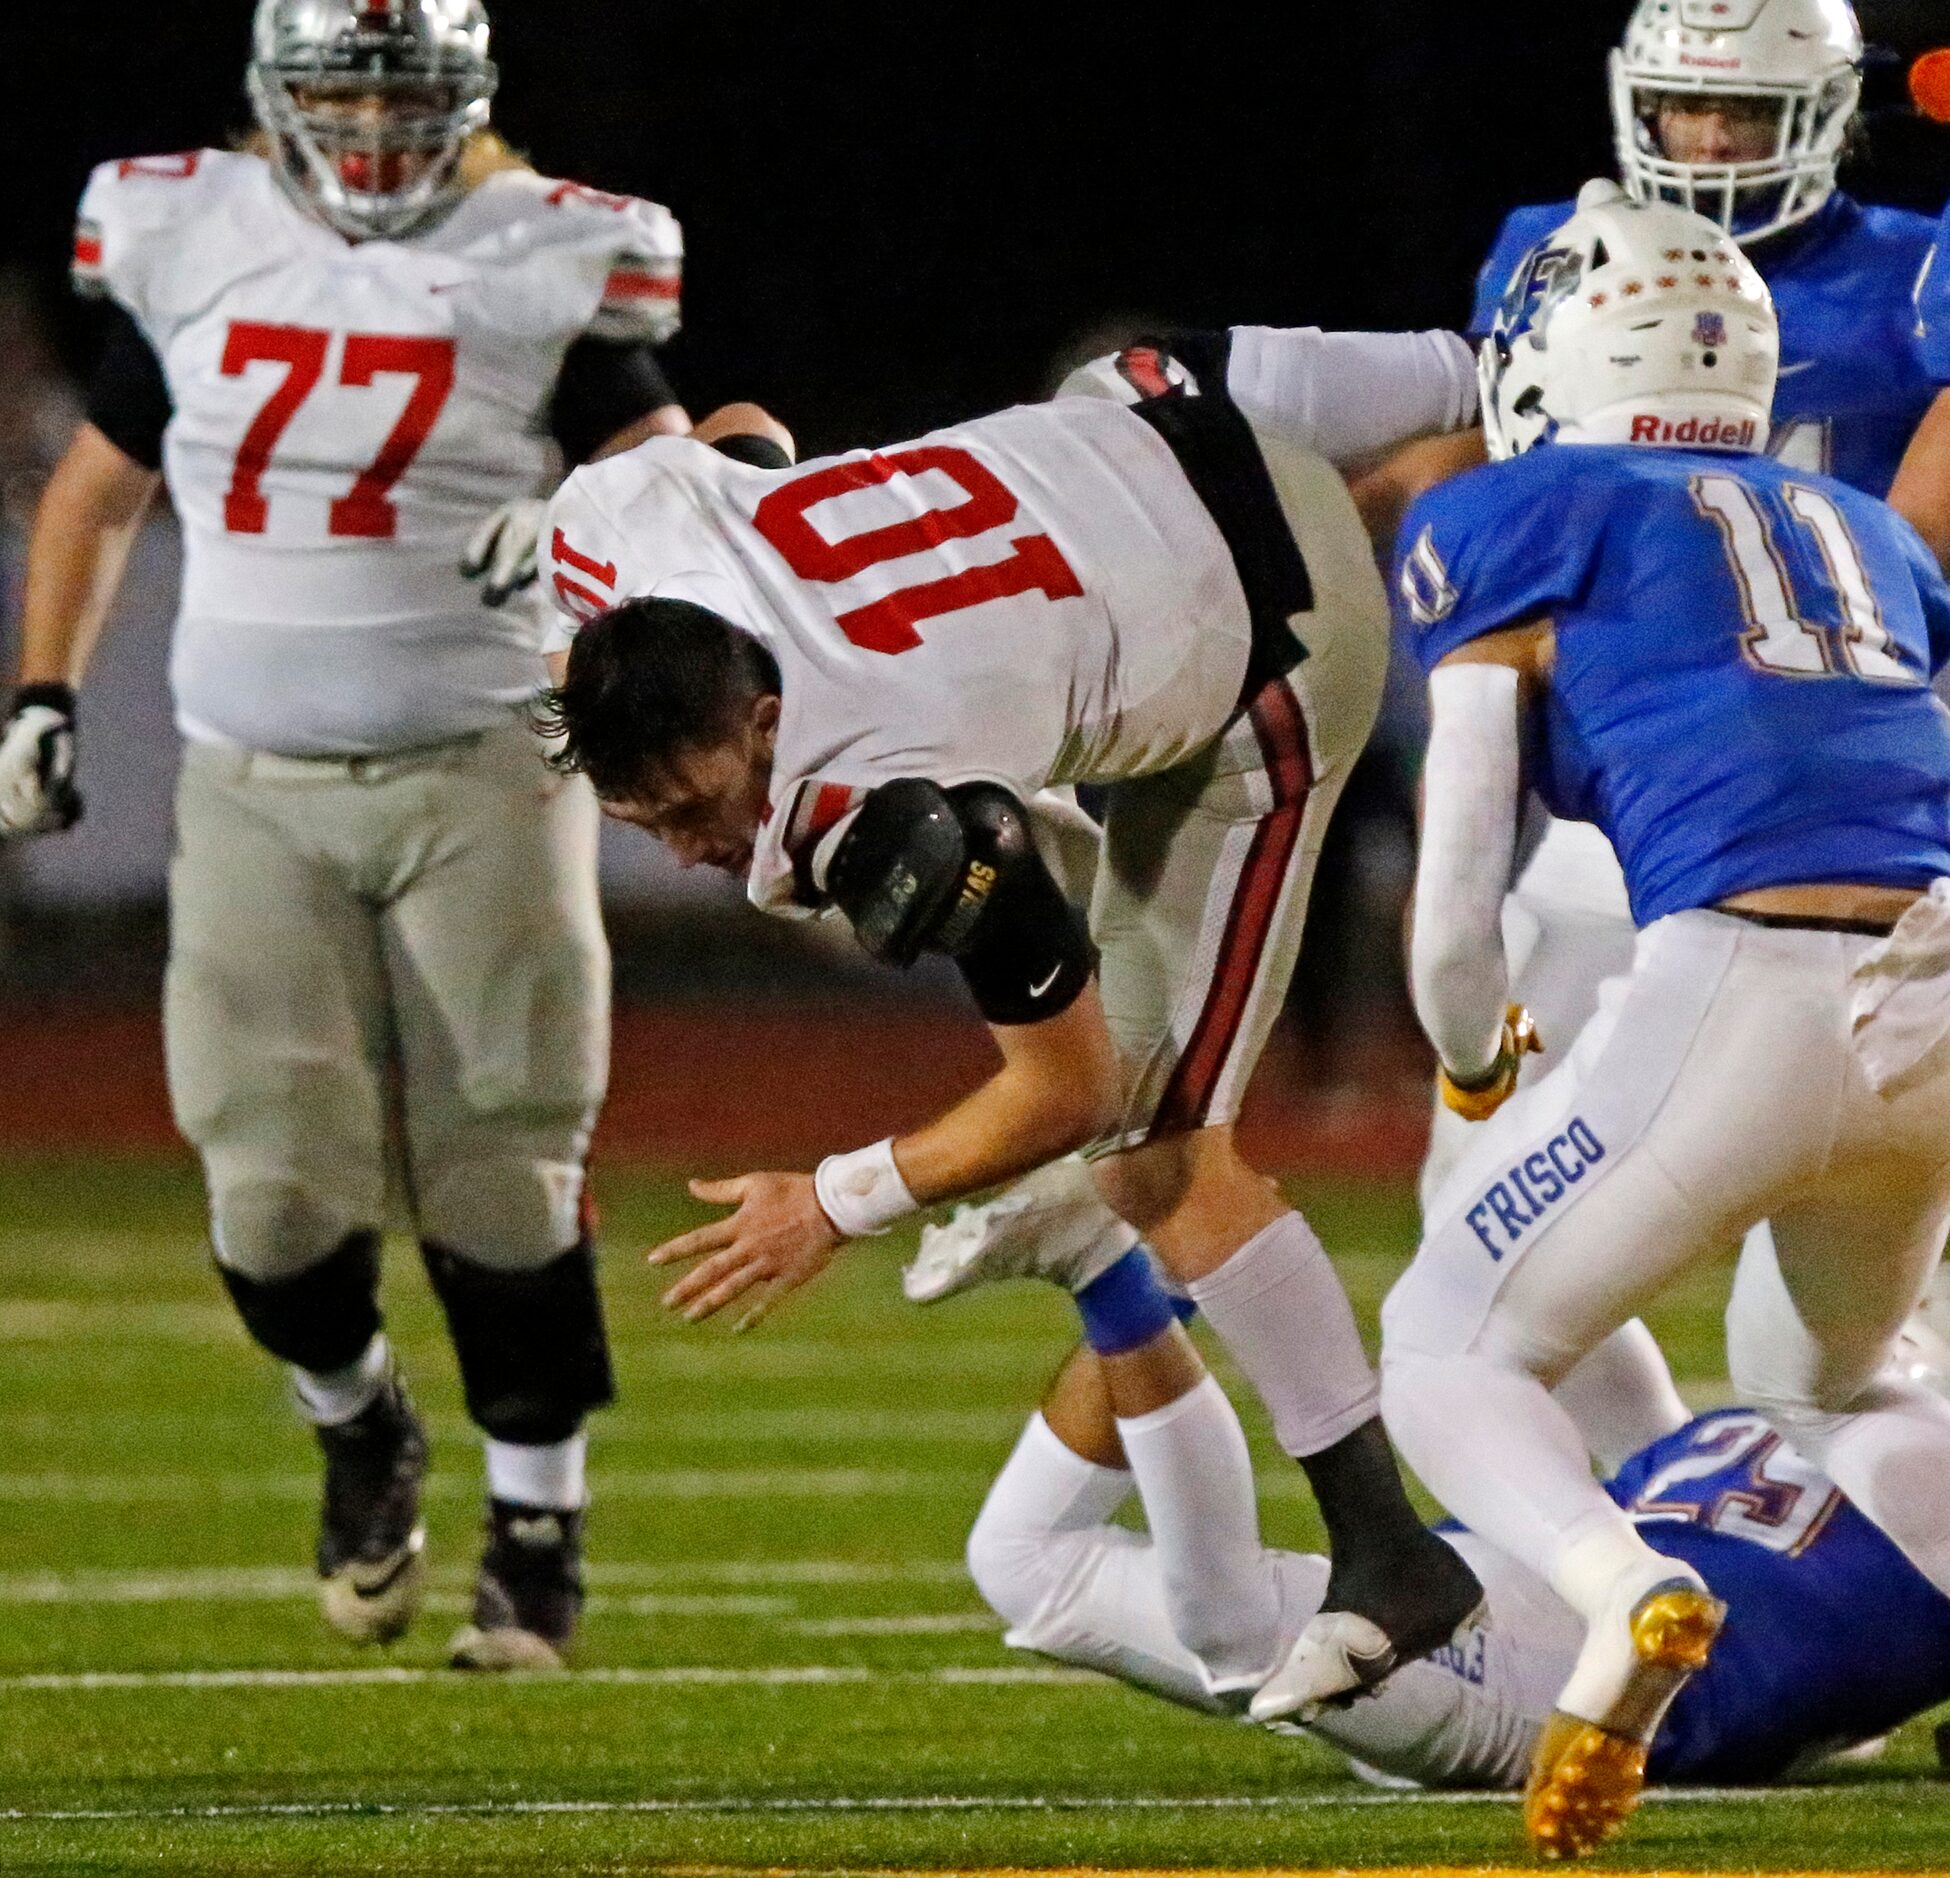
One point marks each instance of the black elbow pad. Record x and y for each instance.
(956, 871)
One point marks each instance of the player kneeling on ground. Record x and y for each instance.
(1833, 1638)
(1725, 663)
(854, 681)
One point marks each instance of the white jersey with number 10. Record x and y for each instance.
(1031, 598)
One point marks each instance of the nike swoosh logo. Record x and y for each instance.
(1800, 365)
(446, 286)
(1036, 991)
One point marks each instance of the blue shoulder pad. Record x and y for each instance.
(1522, 230)
(1933, 306)
(1493, 548)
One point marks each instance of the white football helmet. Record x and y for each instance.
(1802, 56)
(368, 104)
(1633, 323)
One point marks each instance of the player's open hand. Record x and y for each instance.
(778, 1238)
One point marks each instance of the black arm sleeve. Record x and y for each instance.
(759, 452)
(128, 397)
(604, 387)
(926, 869)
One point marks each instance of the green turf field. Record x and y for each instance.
(783, 1665)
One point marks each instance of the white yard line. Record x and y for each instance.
(909, 1624)
(641, 1587)
(889, 1803)
(85, 1682)
(676, 1483)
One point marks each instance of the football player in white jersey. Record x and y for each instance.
(345, 351)
(856, 681)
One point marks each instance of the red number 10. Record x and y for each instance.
(1035, 563)
(365, 509)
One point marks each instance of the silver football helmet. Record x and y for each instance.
(369, 103)
(1799, 60)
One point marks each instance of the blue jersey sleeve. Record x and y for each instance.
(1933, 306)
(1522, 230)
(1491, 549)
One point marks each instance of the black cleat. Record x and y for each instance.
(371, 1545)
(1397, 1605)
(529, 1594)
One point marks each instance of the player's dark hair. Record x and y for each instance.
(647, 681)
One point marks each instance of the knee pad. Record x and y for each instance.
(501, 1207)
(272, 1228)
(533, 1354)
(319, 1318)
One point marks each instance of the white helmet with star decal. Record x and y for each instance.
(1794, 65)
(1632, 323)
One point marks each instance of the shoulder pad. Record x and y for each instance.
(128, 212)
(898, 868)
(643, 246)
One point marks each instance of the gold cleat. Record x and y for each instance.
(1586, 1776)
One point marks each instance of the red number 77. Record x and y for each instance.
(365, 509)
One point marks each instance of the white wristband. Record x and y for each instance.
(863, 1193)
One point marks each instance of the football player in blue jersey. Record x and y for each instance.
(1740, 110)
(1832, 1639)
(1724, 663)
(1922, 490)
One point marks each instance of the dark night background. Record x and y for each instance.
(899, 214)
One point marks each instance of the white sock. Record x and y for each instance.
(1044, 1490)
(328, 1397)
(1622, 1397)
(553, 1476)
(1195, 1477)
(1278, 1307)
(1071, 1585)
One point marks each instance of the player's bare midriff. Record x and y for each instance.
(1874, 906)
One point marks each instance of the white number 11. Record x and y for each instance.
(1778, 637)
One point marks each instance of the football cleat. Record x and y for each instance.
(1052, 1224)
(1589, 1765)
(529, 1592)
(372, 1562)
(1343, 1652)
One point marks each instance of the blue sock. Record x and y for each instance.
(1184, 1306)
(1126, 1306)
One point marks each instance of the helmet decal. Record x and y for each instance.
(1632, 323)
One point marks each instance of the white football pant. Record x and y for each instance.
(1736, 1075)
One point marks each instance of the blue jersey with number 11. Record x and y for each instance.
(1740, 696)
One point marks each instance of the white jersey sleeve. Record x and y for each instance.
(1346, 396)
(1351, 395)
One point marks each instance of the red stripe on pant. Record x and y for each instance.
(1282, 731)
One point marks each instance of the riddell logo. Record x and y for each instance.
(1711, 65)
(1718, 432)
